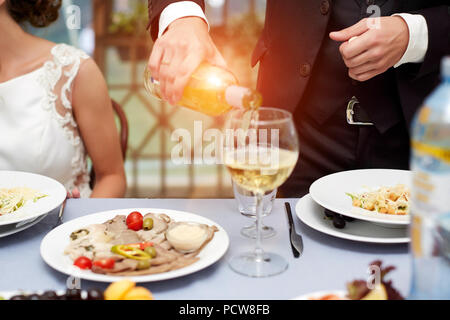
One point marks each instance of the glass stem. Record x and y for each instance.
(259, 252)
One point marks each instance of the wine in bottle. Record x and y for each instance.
(210, 90)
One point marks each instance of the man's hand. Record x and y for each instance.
(178, 52)
(372, 51)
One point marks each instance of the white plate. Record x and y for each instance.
(14, 228)
(329, 192)
(55, 191)
(54, 243)
(317, 295)
(311, 214)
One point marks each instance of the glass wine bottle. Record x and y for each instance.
(210, 90)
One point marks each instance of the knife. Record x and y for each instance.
(296, 239)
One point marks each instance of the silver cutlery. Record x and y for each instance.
(296, 239)
(60, 214)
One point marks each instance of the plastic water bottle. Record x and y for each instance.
(430, 196)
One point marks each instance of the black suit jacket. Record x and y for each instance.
(293, 34)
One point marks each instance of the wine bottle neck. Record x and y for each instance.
(241, 97)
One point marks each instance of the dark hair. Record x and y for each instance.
(39, 13)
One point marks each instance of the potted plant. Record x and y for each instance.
(131, 24)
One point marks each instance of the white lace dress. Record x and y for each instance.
(38, 132)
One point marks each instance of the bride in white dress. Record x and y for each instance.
(55, 110)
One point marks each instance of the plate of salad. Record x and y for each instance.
(377, 195)
(25, 198)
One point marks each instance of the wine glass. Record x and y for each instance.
(246, 202)
(261, 150)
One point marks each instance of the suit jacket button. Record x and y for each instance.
(305, 70)
(325, 7)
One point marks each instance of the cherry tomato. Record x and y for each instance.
(83, 263)
(107, 263)
(141, 245)
(144, 245)
(135, 221)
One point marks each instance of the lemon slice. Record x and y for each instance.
(117, 290)
(377, 293)
(138, 293)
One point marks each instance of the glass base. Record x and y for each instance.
(250, 232)
(249, 265)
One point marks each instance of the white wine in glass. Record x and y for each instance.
(259, 162)
(266, 172)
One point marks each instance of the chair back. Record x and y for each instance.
(123, 132)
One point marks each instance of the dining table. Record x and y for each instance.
(327, 263)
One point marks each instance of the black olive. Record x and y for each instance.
(73, 294)
(19, 297)
(338, 222)
(348, 219)
(95, 294)
(34, 297)
(62, 297)
(329, 214)
(49, 295)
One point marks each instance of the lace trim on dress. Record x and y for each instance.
(57, 79)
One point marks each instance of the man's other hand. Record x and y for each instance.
(178, 52)
(368, 50)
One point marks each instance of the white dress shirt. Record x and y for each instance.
(417, 25)
(179, 10)
(418, 39)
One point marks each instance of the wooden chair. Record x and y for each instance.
(123, 136)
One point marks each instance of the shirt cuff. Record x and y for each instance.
(179, 10)
(418, 39)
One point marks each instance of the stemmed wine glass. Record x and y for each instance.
(260, 153)
(246, 202)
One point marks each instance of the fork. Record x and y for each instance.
(60, 214)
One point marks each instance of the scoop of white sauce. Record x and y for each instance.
(186, 237)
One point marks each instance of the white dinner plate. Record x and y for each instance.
(330, 192)
(312, 214)
(317, 295)
(10, 229)
(54, 243)
(31, 211)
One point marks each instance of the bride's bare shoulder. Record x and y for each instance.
(90, 86)
(41, 48)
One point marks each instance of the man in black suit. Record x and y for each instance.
(353, 83)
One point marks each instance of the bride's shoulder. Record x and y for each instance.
(65, 54)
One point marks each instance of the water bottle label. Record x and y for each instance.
(431, 179)
(439, 153)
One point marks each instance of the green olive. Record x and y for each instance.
(148, 224)
(151, 251)
(143, 264)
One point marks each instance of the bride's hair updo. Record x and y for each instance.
(39, 13)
